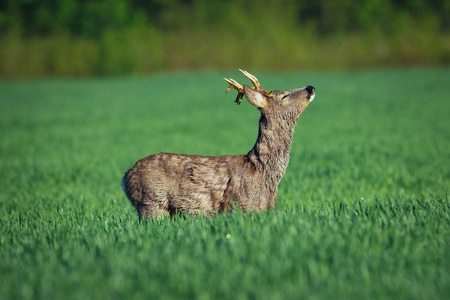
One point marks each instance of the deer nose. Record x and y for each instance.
(310, 89)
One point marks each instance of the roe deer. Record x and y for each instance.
(165, 184)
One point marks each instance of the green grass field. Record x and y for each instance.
(363, 210)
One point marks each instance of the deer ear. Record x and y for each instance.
(254, 97)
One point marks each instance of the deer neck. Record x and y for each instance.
(271, 151)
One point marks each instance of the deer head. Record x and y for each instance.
(272, 101)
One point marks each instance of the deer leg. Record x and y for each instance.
(151, 212)
(153, 205)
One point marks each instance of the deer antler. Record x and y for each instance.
(235, 85)
(254, 80)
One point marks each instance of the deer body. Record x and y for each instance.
(166, 184)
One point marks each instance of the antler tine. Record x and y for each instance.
(256, 84)
(235, 85)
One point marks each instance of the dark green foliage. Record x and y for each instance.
(85, 38)
(362, 212)
(91, 18)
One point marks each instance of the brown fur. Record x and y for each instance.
(167, 184)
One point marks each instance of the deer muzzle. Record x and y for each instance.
(311, 92)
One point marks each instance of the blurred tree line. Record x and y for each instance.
(90, 18)
(180, 34)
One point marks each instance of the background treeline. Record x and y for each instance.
(79, 38)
